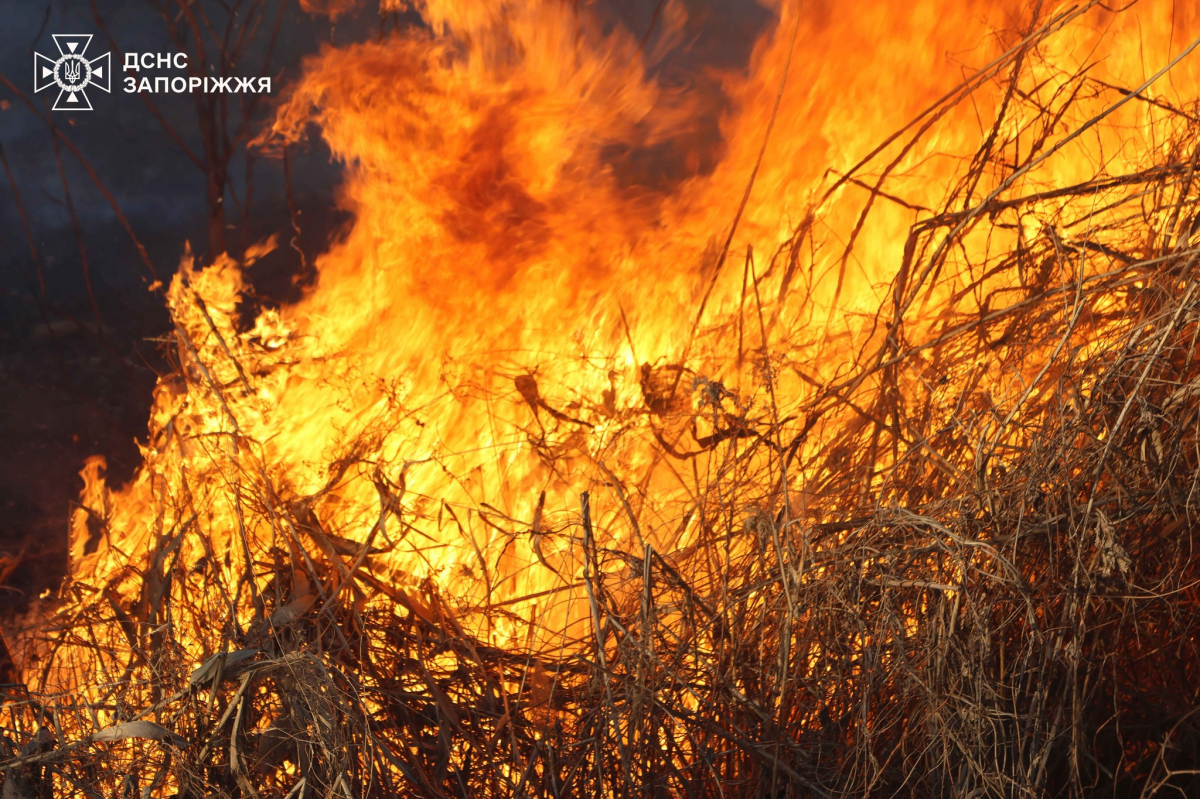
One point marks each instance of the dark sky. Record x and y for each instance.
(160, 190)
(67, 393)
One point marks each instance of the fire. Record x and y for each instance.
(525, 309)
(563, 278)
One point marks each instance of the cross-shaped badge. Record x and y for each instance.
(72, 73)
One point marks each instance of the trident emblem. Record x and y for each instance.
(72, 72)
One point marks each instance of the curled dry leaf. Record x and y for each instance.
(138, 729)
(208, 669)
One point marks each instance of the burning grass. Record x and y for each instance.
(960, 564)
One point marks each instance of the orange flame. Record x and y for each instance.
(530, 305)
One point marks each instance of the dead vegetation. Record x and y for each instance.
(981, 592)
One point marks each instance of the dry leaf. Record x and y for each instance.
(208, 670)
(147, 730)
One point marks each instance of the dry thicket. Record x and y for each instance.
(972, 597)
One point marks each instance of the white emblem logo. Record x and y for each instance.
(71, 72)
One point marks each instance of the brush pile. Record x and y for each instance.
(966, 568)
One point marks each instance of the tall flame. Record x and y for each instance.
(560, 280)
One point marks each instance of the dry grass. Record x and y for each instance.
(976, 597)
